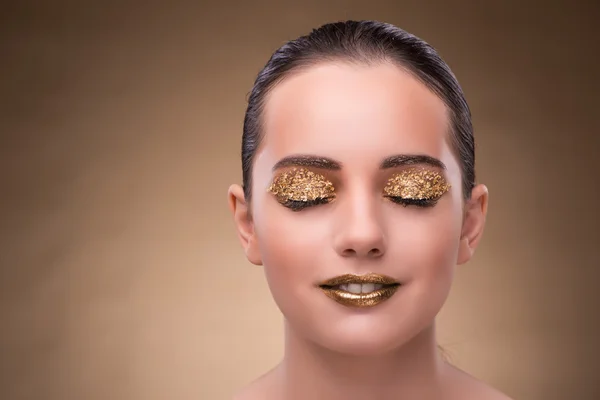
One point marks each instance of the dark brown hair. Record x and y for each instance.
(367, 43)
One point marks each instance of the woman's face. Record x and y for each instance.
(356, 126)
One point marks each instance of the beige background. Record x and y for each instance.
(121, 276)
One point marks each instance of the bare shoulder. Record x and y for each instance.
(263, 388)
(465, 386)
(253, 391)
(246, 393)
(481, 391)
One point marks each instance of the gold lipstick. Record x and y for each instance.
(360, 290)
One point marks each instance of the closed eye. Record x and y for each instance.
(298, 205)
(422, 203)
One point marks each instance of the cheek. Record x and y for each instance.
(290, 244)
(428, 245)
(435, 242)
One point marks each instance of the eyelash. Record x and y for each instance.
(299, 205)
(421, 203)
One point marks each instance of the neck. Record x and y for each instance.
(309, 371)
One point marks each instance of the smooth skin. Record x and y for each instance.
(358, 116)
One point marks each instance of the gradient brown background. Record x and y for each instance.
(121, 276)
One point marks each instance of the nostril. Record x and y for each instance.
(374, 252)
(349, 252)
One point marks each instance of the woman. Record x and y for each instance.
(359, 199)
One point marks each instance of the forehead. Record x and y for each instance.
(351, 112)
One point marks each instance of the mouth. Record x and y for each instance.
(360, 290)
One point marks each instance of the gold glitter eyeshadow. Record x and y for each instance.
(300, 184)
(420, 184)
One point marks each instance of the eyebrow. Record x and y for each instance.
(398, 160)
(306, 160)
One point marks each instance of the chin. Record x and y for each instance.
(364, 339)
(360, 347)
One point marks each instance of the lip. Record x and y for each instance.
(360, 300)
(368, 278)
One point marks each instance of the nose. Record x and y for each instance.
(360, 232)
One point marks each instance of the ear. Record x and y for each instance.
(244, 224)
(473, 223)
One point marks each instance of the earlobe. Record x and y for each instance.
(244, 224)
(473, 223)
